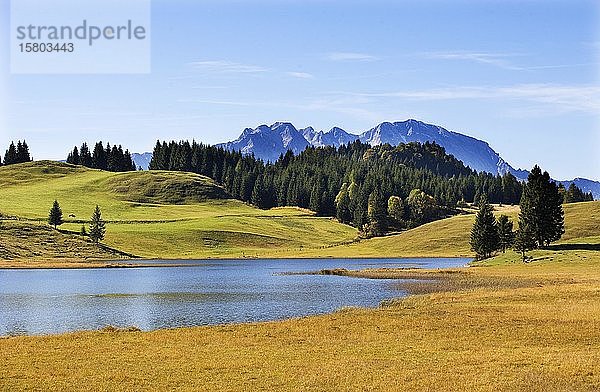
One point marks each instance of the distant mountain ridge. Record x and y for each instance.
(269, 142)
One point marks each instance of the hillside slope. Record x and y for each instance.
(182, 215)
(450, 237)
(162, 214)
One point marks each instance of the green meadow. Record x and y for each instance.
(175, 215)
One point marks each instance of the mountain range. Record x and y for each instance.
(269, 142)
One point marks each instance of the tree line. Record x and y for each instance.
(405, 185)
(574, 194)
(18, 153)
(110, 158)
(541, 220)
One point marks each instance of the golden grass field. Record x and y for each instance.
(512, 327)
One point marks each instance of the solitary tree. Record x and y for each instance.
(97, 226)
(484, 235)
(55, 215)
(541, 208)
(505, 232)
(524, 239)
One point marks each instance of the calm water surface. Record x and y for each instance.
(206, 292)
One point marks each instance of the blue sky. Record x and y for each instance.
(522, 75)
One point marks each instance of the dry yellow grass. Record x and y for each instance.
(483, 333)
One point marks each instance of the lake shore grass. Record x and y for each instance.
(502, 325)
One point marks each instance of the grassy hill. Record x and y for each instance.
(183, 215)
(450, 237)
(160, 214)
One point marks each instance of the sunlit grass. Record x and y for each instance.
(512, 327)
(162, 214)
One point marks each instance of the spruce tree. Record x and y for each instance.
(524, 239)
(316, 198)
(73, 157)
(376, 214)
(85, 157)
(505, 232)
(23, 152)
(99, 159)
(55, 215)
(97, 226)
(10, 157)
(541, 208)
(342, 205)
(484, 235)
(258, 193)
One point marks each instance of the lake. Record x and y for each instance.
(206, 292)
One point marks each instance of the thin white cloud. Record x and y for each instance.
(223, 66)
(218, 102)
(300, 75)
(564, 98)
(500, 60)
(351, 56)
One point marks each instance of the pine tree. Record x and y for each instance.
(23, 152)
(10, 157)
(541, 208)
(99, 160)
(85, 157)
(505, 232)
(342, 205)
(524, 239)
(258, 193)
(97, 226)
(484, 235)
(55, 215)
(376, 213)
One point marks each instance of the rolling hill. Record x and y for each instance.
(159, 214)
(183, 215)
